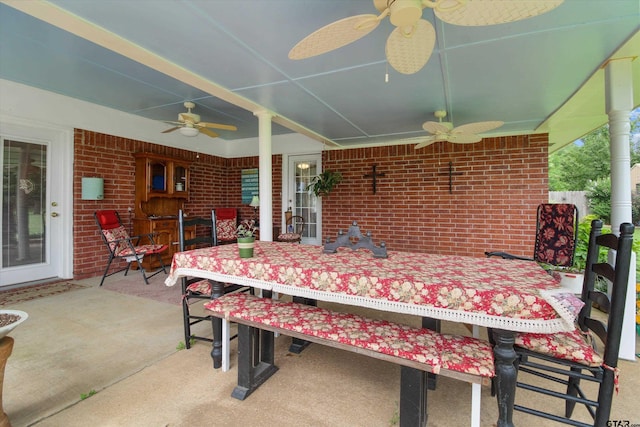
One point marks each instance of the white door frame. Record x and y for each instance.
(59, 229)
(288, 198)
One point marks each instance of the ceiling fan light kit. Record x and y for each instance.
(187, 131)
(189, 124)
(411, 43)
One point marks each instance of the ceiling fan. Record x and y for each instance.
(189, 124)
(409, 46)
(444, 131)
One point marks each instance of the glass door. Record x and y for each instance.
(35, 210)
(302, 169)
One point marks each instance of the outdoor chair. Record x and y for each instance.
(195, 233)
(556, 234)
(121, 245)
(226, 220)
(294, 230)
(590, 353)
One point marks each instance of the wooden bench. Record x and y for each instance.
(418, 351)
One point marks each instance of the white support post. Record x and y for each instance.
(265, 174)
(619, 102)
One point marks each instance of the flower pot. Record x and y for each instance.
(245, 246)
(572, 281)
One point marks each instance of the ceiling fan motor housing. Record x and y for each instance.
(405, 13)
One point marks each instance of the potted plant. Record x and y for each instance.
(246, 238)
(323, 184)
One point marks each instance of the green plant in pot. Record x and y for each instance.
(246, 238)
(323, 184)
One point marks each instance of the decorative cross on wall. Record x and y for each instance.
(374, 175)
(451, 173)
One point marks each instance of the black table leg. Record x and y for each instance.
(434, 325)
(506, 375)
(298, 344)
(217, 290)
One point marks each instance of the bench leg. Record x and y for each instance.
(506, 375)
(298, 344)
(476, 390)
(252, 370)
(413, 397)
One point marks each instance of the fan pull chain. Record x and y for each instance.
(386, 73)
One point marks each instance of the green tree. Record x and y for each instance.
(587, 160)
(599, 198)
(573, 167)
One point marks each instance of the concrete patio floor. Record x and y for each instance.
(125, 349)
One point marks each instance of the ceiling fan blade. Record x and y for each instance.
(215, 126)
(435, 128)
(489, 12)
(463, 138)
(425, 143)
(478, 127)
(408, 50)
(208, 132)
(335, 35)
(171, 129)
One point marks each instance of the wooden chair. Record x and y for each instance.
(556, 235)
(571, 357)
(121, 245)
(195, 233)
(294, 230)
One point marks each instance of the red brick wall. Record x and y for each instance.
(214, 182)
(492, 205)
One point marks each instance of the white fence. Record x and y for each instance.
(578, 198)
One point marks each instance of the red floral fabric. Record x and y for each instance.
(289, 237)
(488, 292)
(226, 229)
(458, 353)
(118, 239)
(202, 287)
(574, 346)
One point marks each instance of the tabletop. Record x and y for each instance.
(505, 294)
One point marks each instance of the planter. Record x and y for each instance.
(245, 246)
(9, 319)
(571, 281)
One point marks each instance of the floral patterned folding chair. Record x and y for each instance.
(556, 235)
(121, 246)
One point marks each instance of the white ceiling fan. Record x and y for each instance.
(444, 131)
(409, 46)
(189, 124)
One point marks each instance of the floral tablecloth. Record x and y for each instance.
(506, 294)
